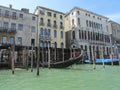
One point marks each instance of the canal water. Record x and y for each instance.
(77, 77)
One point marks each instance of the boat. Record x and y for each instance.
(65, 63)
(106, 61)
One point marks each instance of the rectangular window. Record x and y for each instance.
(14, 15)
(20, 27)
(33, 18)
(55, 15)
(5, 26)
(41, 12)
(21, 15)
(19, 40)
(11, 40)
(6, 13)
(13, 26)
(49, 13)
(4, 39)
(33, 29)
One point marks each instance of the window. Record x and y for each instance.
(33, 42)
(41, 32)
(62, 45)
(55, 15)
(33, 18)
(13, 14)
(4, 39)
(20, 27)
(55, 24)
(49, 32)
(78, 12)
(11, 40)
(73, 34)
(13, 26)
(49, 13)
(33, 29)
(55, 33)
(61, 25)
(55, 44)
(5, 26)
(61, 34)
(72, 21)
(6, 13)
(41, 21)
(61, 17)
(21, 15)
(49, 24)
(41, 12)
(41, 43)
(78, 21)
(19, 40)
(87, 23)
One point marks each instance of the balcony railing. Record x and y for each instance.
(8, 16)
(42, 37)
(55, 26)
(49, 25)
(42, 23)
(61, 27)
(8, 30)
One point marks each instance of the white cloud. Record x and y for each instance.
(114, 17)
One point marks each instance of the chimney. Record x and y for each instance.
(10, 6)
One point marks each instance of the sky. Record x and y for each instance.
(108, 8)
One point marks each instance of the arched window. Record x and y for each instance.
(55, 33)
(72, 21)
(41, 21)
(78, 21)
(41, 32)
(61, 34)
(79, 34)
(73, 34)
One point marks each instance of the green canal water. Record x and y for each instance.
(77, 77)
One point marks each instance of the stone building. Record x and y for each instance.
(51, 27)
(87, 30)
(18, 25)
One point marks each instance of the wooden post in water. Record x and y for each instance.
(102, 56)
(27, 49)
(48, 56)
(111, 55)
(70, 52)
(32, 60)
(13, 57)
(38, 55)
(93, 58)
(62, 53)
(119, 58)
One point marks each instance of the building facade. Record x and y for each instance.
(50, 27)
(88, 31)
(17, 26)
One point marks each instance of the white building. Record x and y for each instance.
(18, 24)
(87, 30)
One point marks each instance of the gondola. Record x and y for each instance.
(65, 63)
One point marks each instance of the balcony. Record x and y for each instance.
(7, 30)
(55, 26)
(49, 25)
(42, 23)
(61, 27)
(42, 37)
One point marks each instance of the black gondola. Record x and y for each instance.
(63, 64)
